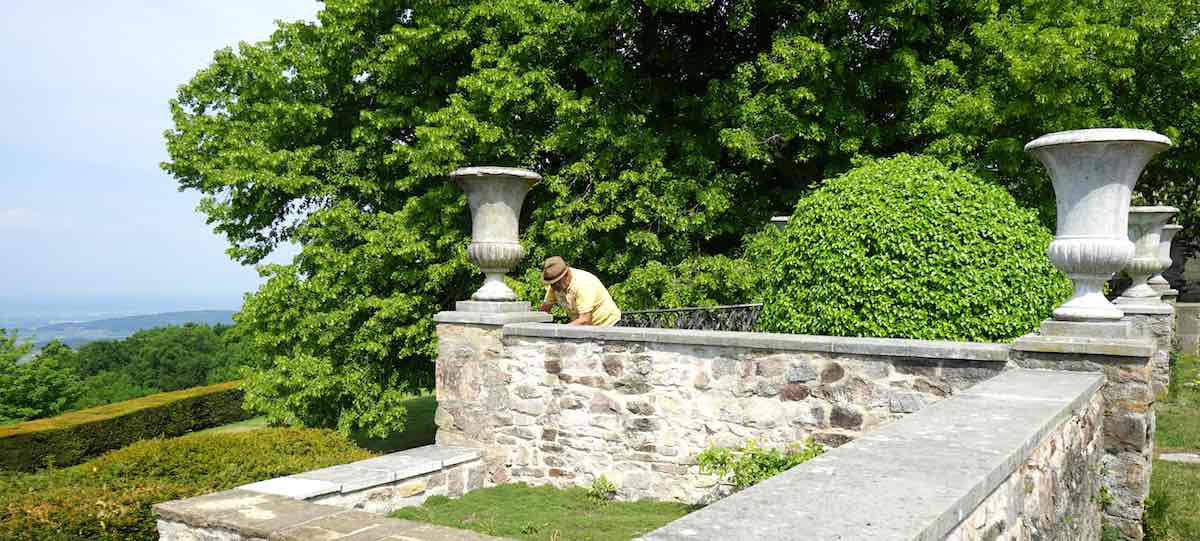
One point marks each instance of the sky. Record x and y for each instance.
(87, 216)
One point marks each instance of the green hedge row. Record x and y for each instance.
(71, 438)
(109, 498)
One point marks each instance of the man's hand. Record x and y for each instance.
(583, 319)
(546, 306)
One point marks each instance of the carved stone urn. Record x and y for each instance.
(1093, 172)
(1145, 232)
(1158, 281)
(495, 195)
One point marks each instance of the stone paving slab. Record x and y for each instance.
(279, 518)
(913, 479)
(364, 474)
(1186, 458)
(350, 477)
(294, 487)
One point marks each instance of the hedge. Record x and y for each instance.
(71, 438)
(109, 498)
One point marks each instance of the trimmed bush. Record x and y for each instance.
(71, 438)
(109, 498)
(905, 247)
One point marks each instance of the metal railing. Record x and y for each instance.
(732, 317)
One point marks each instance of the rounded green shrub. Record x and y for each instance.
(906, 247)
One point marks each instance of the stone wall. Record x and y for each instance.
(552, 404)
(1013, 458)
(1129, 421)
(1054, 494)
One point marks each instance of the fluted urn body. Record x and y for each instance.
(1093, 172)
(1145, 232)
(495, 195)
(1158, 281)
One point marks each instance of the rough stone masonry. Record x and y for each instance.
(565, 410)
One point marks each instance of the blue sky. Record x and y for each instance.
(86, 214)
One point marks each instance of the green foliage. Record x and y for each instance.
(520, 511)
(748, 465)
(602, 489)
(38, 388)
(73, 437)
(109, 498)
(905, 247)
(665, 131)
(1110, 533)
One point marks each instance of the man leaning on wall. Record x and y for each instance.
(579, 292)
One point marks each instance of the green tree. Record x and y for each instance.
(665, 130)
(37, 387)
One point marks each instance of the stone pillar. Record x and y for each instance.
(1094, 172)
(1156, 323)
(1128, 412)
(1187, 328)
(471, 377)
(780, 221)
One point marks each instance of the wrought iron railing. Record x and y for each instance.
(733, 317)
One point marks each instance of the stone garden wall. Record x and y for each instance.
(1014, 458)
(563, 405)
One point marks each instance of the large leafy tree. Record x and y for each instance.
(665, 129)
(32, 387)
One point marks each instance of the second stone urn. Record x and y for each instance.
(1093, 172)
(1145, 231)
(1158, 281)
(495, 195)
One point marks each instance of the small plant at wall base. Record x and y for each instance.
(751, 464)
(602, 490)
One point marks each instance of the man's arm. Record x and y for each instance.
(583, 319)
(547, 301)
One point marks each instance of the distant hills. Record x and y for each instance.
(76, 333)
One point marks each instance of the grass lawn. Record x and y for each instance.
(1179, 413)
(1173, 510)
(520, 511)
(253, 423)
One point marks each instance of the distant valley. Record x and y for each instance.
(77, 333)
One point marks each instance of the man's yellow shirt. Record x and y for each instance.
(586, 295)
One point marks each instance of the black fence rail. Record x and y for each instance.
(732, 317)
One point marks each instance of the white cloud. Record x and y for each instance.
(27, 219)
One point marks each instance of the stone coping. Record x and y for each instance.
(254, 515)
(913, 479)
(892, 347)
(364, 474)
(1119, 347)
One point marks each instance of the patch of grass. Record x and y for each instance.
(1173, 510)
(1179, 413)
(520, 511)
(419, 429)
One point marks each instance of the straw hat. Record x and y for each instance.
(553, 269)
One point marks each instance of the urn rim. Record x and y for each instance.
(1153, 210)
(1098, 135)
(1172, 227)
(495, 171)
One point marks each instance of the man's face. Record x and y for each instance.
(562, 285)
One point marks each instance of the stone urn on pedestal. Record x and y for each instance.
(495, 195)
(1093, 172)
(1158, 281)
(1145, 231)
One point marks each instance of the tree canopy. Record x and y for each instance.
(666, 131)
